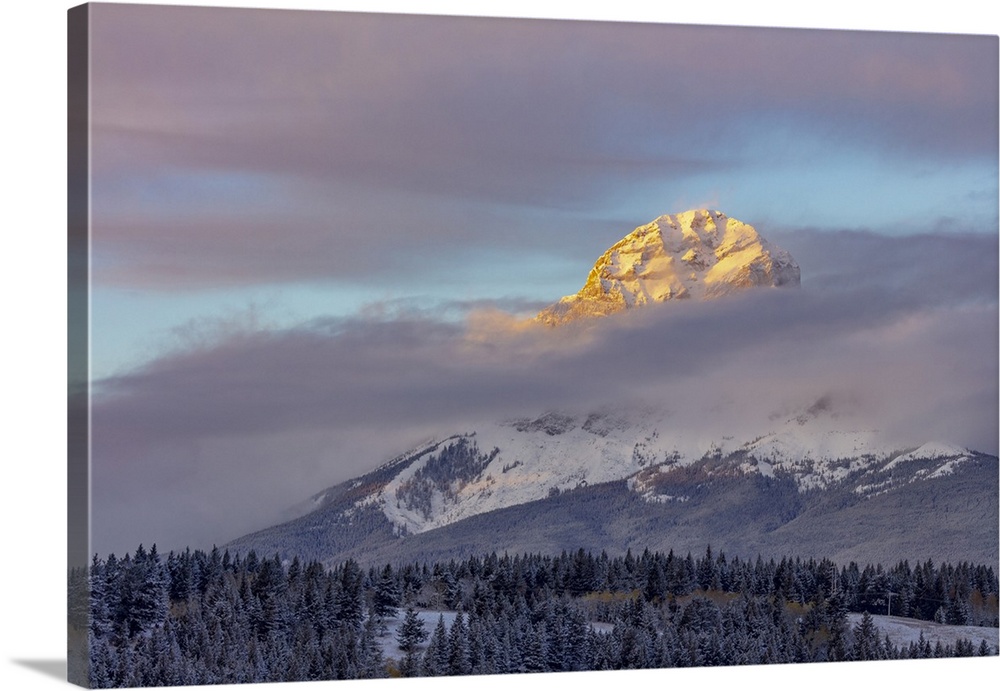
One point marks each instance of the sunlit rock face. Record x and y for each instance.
(699, 254)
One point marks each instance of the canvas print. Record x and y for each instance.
(412, 346)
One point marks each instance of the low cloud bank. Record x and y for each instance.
(203, 444)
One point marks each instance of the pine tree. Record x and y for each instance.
(350, 597)
(386, 599)
(458, 648)
(866, 640)
(101, 664)
(371, 664)
(142, 593)
(435, 662)
(577, 642)
(536, 650)
(656, 583)
(180, 568)
(708, 574)
(411, 632)
(100, 611)
(837, 648)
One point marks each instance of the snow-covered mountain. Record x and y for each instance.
(815, 482)
(699, 254)
(817, 479)
(514, 462)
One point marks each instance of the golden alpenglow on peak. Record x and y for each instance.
(698, 254)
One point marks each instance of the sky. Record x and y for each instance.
(312, 233)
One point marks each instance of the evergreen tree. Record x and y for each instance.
(435, 661)
(536, 650)
(867, 645)
(458, 647)
(656, 583)
(371, 663)
(837, 648)
(350, 596)
(387, 596)
(708, 575)
(582, 574)
(142, 593)
(411, 632)
(100, 611)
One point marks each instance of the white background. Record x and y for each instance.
(33, 336)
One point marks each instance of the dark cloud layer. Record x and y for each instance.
(950, 266)
(223, 436)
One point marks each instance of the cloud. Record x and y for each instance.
(320, 139)
(951, 265)
(232, 431)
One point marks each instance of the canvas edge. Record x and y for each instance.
(78, 343)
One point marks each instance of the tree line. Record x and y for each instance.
(197, 617)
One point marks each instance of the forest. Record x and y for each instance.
(197, 617)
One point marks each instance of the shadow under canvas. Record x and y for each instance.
(50, 668)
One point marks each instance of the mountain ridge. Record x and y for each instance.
(876, 512)
(498, 465)
(817, 475)
(819, 487)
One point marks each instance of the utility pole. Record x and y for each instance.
(888, 609)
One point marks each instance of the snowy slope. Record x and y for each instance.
(818, 446)
(699, 254)
(551, 453)
(931, 450)
(530, 459)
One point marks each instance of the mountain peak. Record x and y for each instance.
(700, 254)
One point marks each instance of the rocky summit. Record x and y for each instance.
(699, 254)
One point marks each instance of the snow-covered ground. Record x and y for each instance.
(902, 631)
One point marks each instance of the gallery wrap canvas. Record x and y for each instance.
(436, 346)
